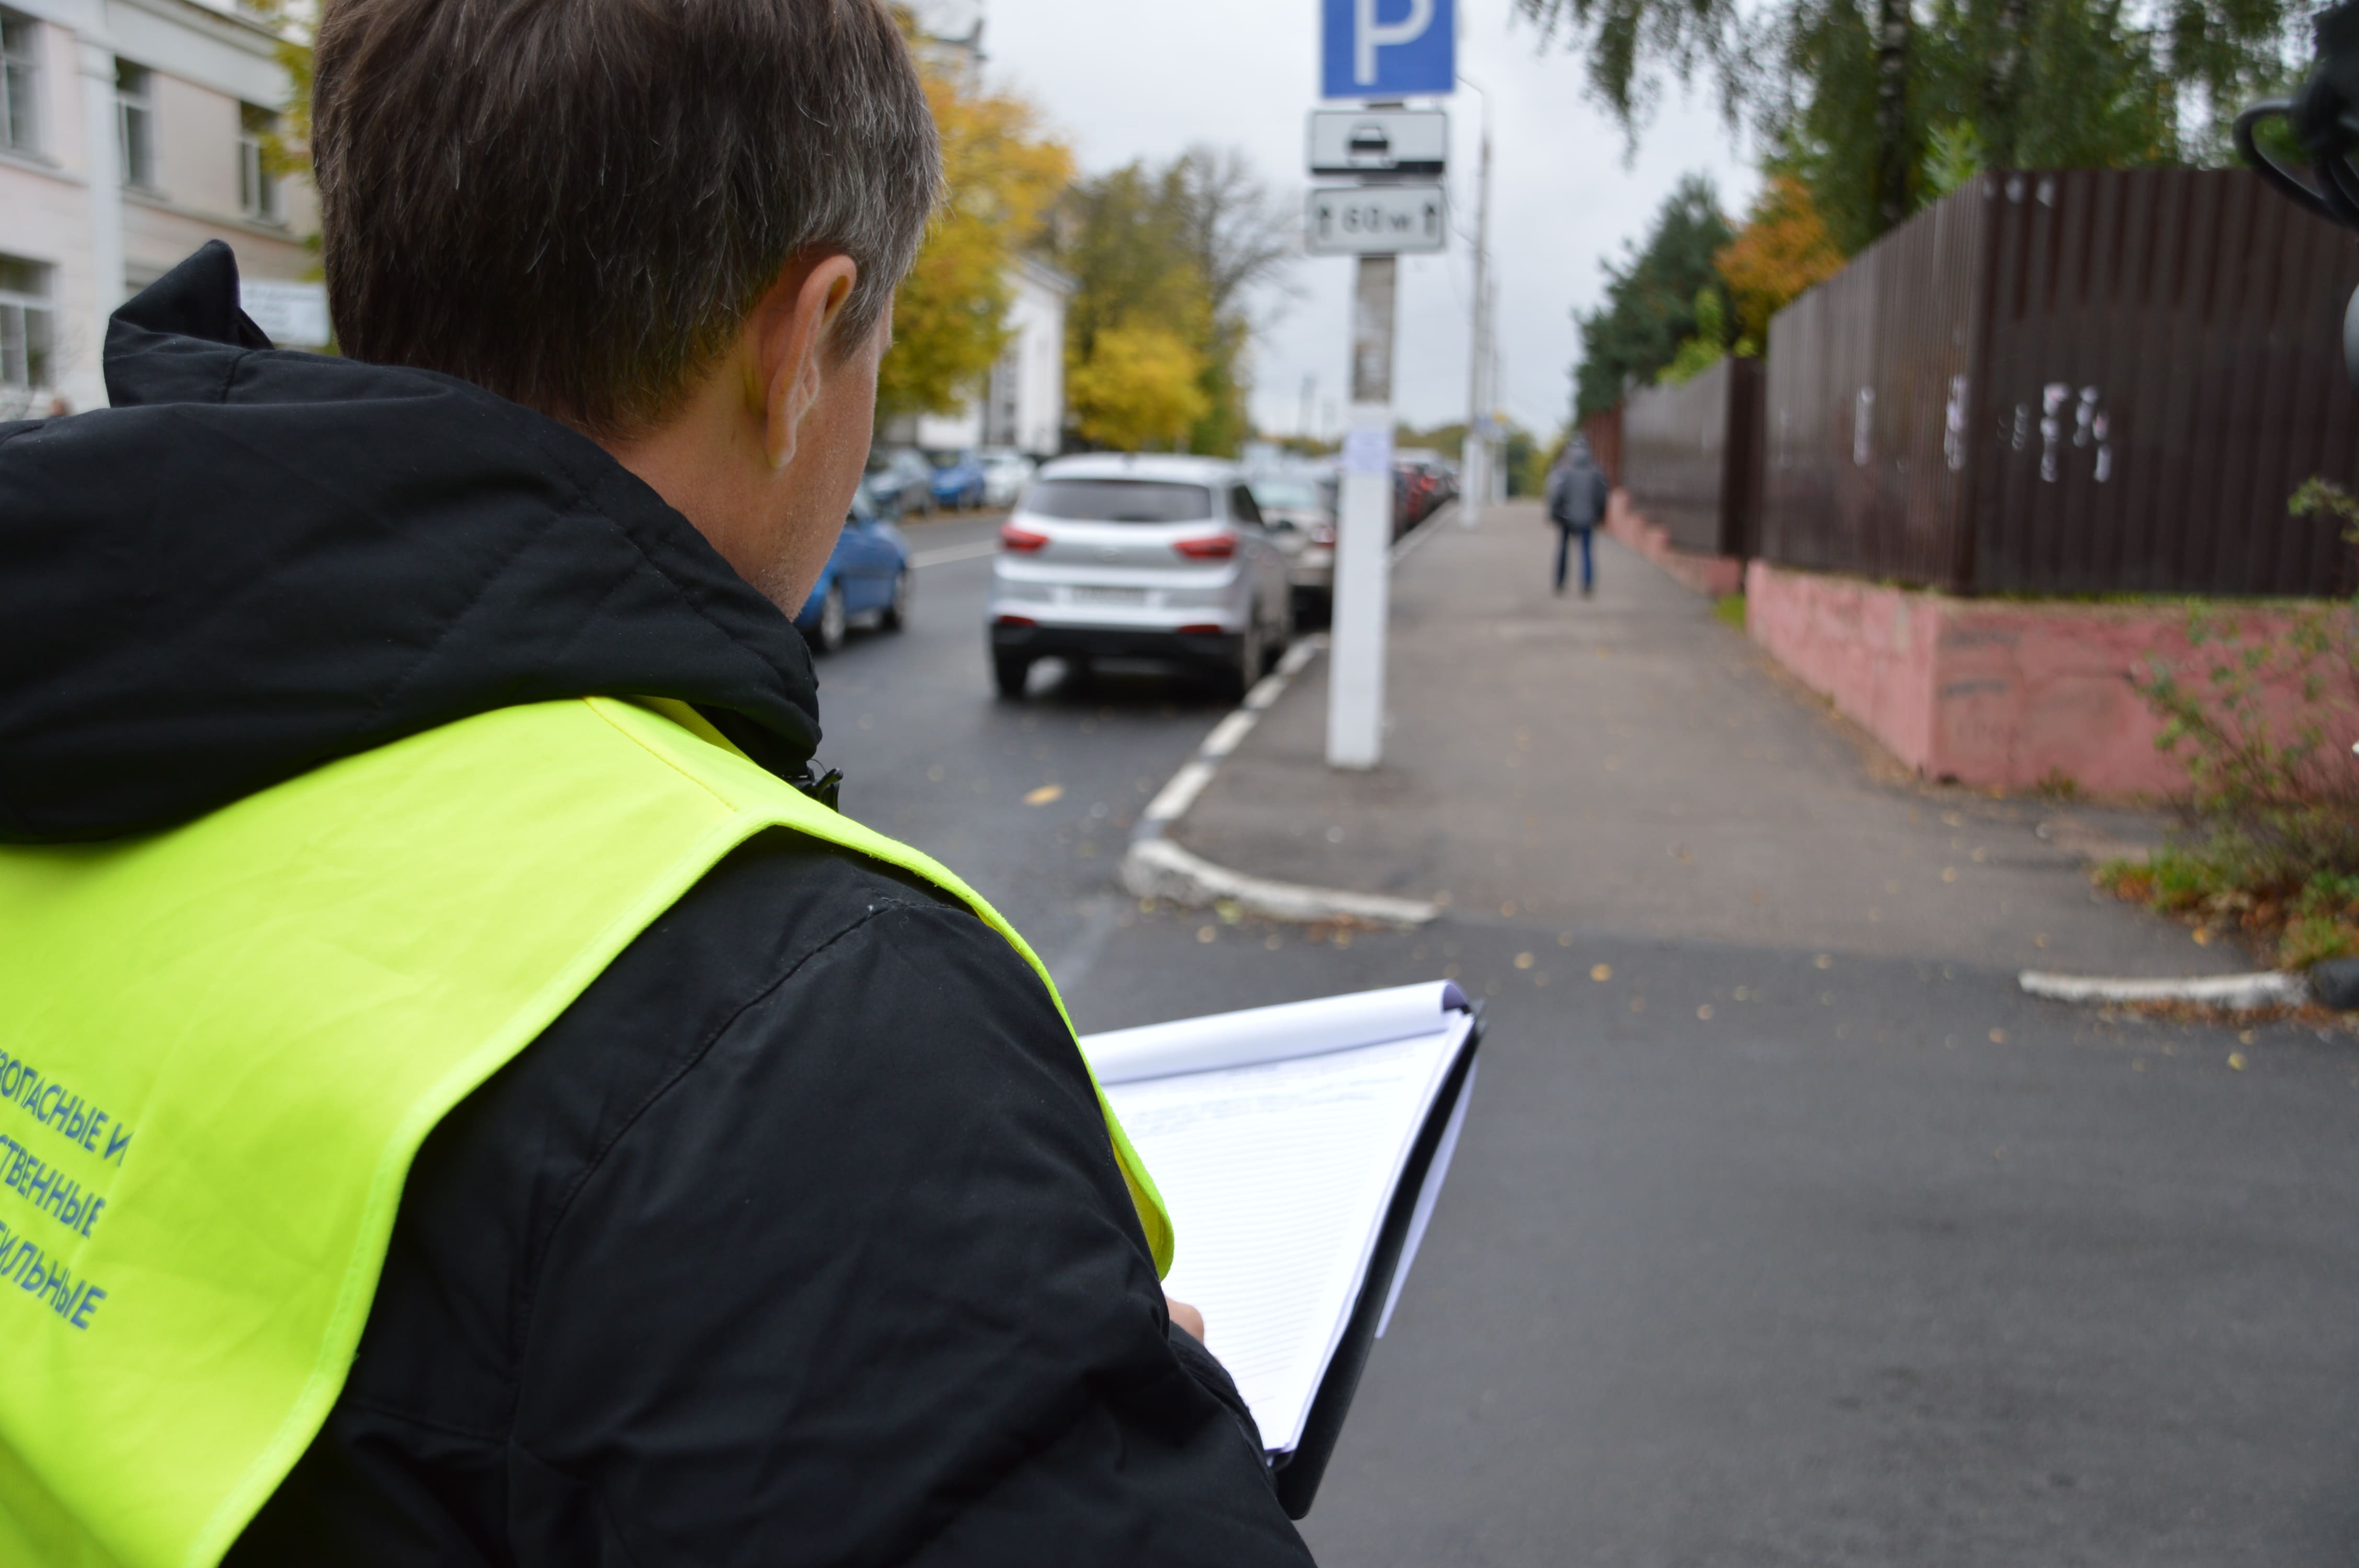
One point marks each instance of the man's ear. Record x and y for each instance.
(800, 317)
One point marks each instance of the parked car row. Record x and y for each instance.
(1192, 561)
(902, 481)
(1128, 556)
(899, 481)
(1302, 504)
(867, 579)
(1299, 505)
(1425, 479)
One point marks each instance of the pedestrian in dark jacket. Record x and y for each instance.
(797, 1237)
(1577, 492)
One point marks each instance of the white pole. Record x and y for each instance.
(1474, 454)
(102, 171)
(1356, 685)
(1494, 468)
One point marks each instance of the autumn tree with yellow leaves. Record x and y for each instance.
(1001, 173)
(1166, 260)
(1139, 390)
(1783, 249)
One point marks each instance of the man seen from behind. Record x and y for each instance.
(1577, 492)
(490, 1108)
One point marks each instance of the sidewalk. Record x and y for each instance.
(1630, 764)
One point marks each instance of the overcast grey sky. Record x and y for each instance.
(1126, 79)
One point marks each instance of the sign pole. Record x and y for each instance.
(1355, 688)
(1389, 147)
(1474, 456)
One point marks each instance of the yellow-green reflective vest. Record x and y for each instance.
(224, 1043)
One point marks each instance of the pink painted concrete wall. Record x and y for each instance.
(1997, 693)
(1712, 574)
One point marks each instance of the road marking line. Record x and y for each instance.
(950, 553)
(1230, 730)
(1178, 795)
(1156, 868)
(2235, 993)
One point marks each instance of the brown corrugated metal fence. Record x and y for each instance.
(1689, 455)
(1605, 433)
(2071, 382)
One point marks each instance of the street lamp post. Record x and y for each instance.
(1474, 453)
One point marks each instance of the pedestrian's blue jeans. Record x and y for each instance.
(1563, 547)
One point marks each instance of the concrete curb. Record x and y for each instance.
(2236, 993)
(1155, 867)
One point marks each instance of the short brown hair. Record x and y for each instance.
(575, 202)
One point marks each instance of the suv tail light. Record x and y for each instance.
(1214, 547)
(1011, 537)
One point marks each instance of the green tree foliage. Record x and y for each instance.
(1872, 101)
(1650, 299)
(1179, 247)
(1517, 446)
(1710, 344)
(1446, 438)
(1987, 83)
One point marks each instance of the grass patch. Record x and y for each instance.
(2291, 915)
(1729, 609)
(2059, 785)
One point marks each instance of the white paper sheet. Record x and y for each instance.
(1278, 1173)
(1268, 1033)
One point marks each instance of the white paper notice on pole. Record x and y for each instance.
(292, 315)
(1368, 450)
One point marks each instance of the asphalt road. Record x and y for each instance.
(1030, 803)
(1752, 1254)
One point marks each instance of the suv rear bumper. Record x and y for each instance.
(1217, 648)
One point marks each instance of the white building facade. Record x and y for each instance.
(1022, 402)
(131, 132)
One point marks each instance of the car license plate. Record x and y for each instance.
(1108, 595)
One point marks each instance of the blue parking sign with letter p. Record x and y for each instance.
(1388, 48)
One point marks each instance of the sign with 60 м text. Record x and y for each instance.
(1388, 48)
(1376, 220)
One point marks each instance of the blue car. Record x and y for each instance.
(867, 578)
(959, 480)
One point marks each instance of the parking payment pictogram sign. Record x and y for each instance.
(1388, 48)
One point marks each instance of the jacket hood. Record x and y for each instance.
(257, 562)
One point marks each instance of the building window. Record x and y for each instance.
(257, 188)
(20, 84)
(135, 123)
(26, 319)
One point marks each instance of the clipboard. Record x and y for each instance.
(1350, 1105)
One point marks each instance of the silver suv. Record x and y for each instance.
(1139, 558)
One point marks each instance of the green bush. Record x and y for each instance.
(2271, 840)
